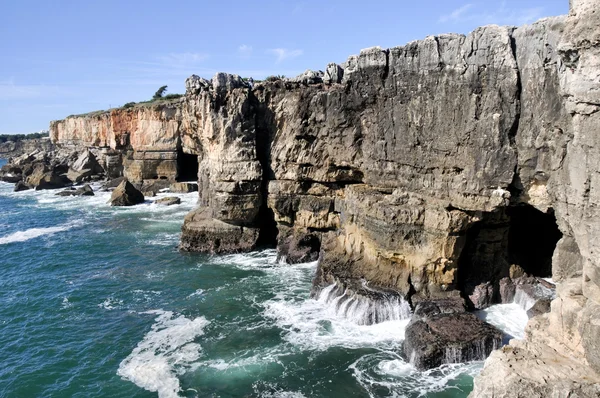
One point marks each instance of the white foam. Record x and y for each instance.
(32, 233)
(510, 318)
(111, 304)
(166, 351)
(388, 370)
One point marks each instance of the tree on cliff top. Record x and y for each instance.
(160, 92)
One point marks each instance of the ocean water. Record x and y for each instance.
(97, 302)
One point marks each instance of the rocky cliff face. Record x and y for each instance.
(434, 170)
(15, 149)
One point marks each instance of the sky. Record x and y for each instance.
(66, 57)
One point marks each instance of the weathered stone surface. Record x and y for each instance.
(126, 195)
(86, 190)
(298, 247)
(168, 201)
(437, 336)
(199, 231)
(183, 187)
(409, 162)
(21, 186)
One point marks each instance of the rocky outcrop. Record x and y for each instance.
(432, 170)
(560, 355)
(126, 195)
(440, 334)
(168, 201)
(85, 190)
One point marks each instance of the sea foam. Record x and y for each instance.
(166, 351)
(32, 233)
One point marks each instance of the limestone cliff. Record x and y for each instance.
(433, 170)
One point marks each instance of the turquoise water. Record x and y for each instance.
(97, 302)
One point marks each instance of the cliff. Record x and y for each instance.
(433, 170)
(18, 148)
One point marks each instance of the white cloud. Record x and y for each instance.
(502, 15)
(456, 14)
(245, 50)
(283, 53)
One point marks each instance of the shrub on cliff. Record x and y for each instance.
(129, 105)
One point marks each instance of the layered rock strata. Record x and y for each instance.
(430, 170)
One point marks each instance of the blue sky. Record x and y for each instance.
(66, 57)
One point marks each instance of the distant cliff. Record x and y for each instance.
(431, 169)
(17, 148)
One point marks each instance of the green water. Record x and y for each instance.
(97, 302)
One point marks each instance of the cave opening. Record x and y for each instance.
(520, 236)
(187, 166)
(532, 239)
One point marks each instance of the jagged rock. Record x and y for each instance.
(87, 161)
(299, 247)
(406, 169)
(21, 186)
(540, 307)
(44, 177)
(86, 190)
(152, 187)
(126, 195)
(115, 182)
(183, 187)
(434, 338)
(196, 84)
(168, 201)
(223, 82)
(333, 74)
(309, 77)
(79, 176)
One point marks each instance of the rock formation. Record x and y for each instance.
(433, 170)
(126, 195)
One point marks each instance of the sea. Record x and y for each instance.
(97, 301)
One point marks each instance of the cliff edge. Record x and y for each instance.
(433, 170)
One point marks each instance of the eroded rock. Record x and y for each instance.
(126, 195)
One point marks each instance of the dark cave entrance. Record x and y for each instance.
(187, 166)
(519, 235)
(532, 238)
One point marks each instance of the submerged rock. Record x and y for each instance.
(126, 195)
(434, 338)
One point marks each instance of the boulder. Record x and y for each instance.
(79, 176)
(152, 187)
(86, 190)
(21, 186)
(183, 187)
(45, 177)
(168, 201)
(444, 338)
(126, 195)
(111, 184)
(87, 161)
(11, 173)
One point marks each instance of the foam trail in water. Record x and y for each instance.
(32, 233)
(166, 351)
